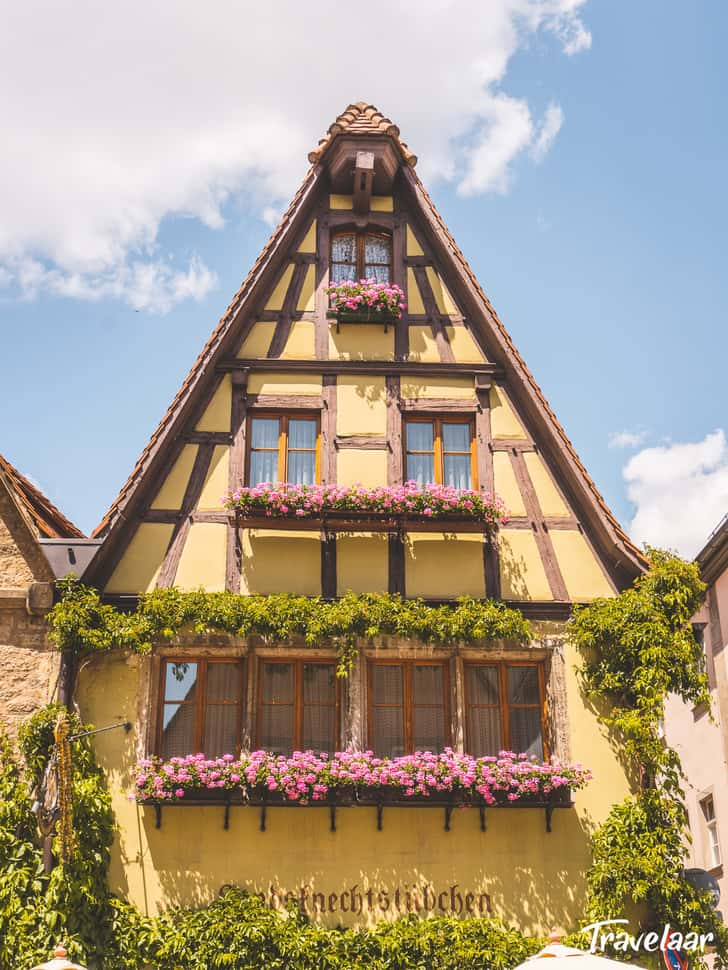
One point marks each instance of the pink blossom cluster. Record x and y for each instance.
(308, 776)
(428, 501)
(367, 294)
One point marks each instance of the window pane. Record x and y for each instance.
(420, 436)
(376, 249)
(481, 684)
(523, 685)
(428, 684)
(456, 437)
(277, 683)
(428, 724)
(343, 248)
(484, 731)
(178, 731)
(276, 728)
(180, 681)
(376, 272)
(302, 433)
(386, 684)
(342, 273)
(221, 728)
(318, 729)
(223, 682)
(526, 731)
(388, 731)
(264, 433)
(301, 468)
(421, 469)
(319, 684)
(263, 467)
(457, 471)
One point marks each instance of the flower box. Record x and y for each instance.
(362, 315)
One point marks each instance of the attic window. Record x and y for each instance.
(361, 255)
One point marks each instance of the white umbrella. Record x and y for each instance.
(562, 957)
(59, 961)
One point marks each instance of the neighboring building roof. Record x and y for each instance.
(47, 520)
(72, 556)
(364, 119)
(713, 557)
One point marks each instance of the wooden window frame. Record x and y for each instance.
(407, 693)
(298, 662)
(437, 420)
(503, 705)
(360, 237)
(283, 417)
(200, 703)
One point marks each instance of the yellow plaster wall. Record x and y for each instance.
(444, 567)
(301, 341)
(307, 297)
(464, 348)
(362, 563)
(275, 300)
(203, 558)
(361, 405)
(460, 388)
(378, 203)
(584, 577)
(361, 467)
(413, 246)
(216, 416)
(414, 298)
(361, 341)
(535, 879)
(503, 420)
(308, 243)
(276, 560)
(341, 201)
(443, 298)
(265, 383)
(521, 569)
(422, 344)
(505, 483)
(216, 480)
(172, 492)
(138, 568)
(549, 498)
(258, 340)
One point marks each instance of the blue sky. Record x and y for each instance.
(135, 211)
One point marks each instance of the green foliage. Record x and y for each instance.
(81, 623)
(638, 648)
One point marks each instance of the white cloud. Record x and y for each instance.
(627, 439)
(547, 131)
(118, 116)
(680, 492)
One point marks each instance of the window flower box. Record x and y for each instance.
(365, 301)
(409, 501)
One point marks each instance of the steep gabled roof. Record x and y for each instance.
(362, 119)
(48, 522)
(713, 557)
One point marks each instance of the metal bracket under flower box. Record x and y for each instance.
(265, 800)
(366, 315)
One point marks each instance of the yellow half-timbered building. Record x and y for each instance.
(284, 391)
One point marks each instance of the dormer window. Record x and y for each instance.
(361, 255)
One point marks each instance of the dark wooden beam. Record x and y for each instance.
(208, 437)
(308, 402)
(328, 565)
(236, 472)
(361, 442)
(435, 317)
(363, 179)
(486, 483)
(395, 457)
(328, 430)
(396, 571)
(321, 324)
(403, 368)
(182, 528)
(512, 444)
(283, 326)
(439, 404)
(543, 539)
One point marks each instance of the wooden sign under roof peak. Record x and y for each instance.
(284, 264)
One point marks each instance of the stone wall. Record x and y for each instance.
(29, 666)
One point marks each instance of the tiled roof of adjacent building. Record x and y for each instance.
(48, 521)
(713, 557)
(362, 119)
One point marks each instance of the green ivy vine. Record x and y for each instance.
(82, 623)
(637, 649)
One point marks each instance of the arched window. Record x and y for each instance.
(361, 255)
